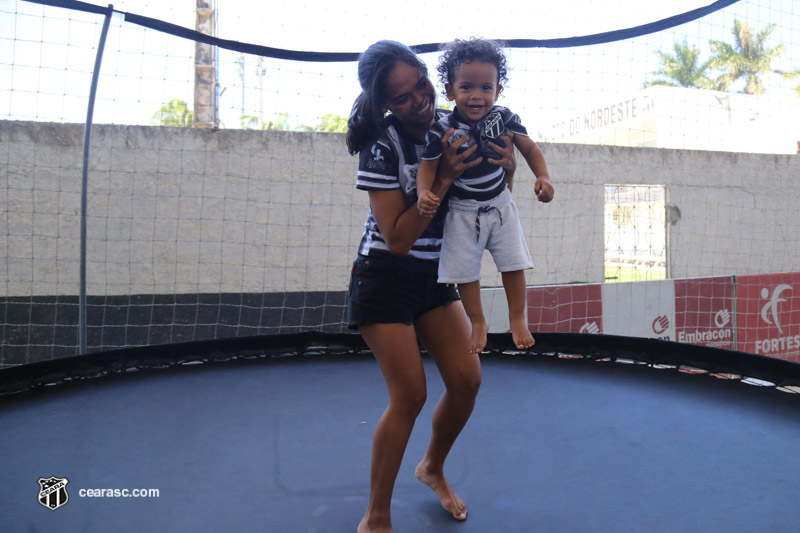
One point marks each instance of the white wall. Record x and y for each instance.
(175, 210)
(683, 118)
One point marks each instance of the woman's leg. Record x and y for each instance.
(517, 297)
(397, 353)
(471, 297)
(445, 333)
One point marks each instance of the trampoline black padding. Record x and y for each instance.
(283, 444)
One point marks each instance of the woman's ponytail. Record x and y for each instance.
(362, 127)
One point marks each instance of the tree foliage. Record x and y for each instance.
(793, 75)
(682, 68)
(748, 58)
(330, 122)
(174, 113)
(281, 123)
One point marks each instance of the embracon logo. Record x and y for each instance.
(660, 324)
(722, 318)
(722, 336)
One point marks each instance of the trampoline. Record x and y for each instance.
(278, 438)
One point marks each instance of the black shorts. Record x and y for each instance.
(389, 289)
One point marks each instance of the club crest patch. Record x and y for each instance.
(377, 161)
(493, 126)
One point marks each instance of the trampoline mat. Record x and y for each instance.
(284, 445)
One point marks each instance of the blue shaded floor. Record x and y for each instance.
(283, 446)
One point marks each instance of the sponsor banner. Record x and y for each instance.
(566, 308)
(768, 314)
(640, 309)
(704, 312)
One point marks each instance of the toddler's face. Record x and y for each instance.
(475, 89)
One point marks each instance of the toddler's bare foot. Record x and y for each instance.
(449, 499)
(521, 335)
(477, 340)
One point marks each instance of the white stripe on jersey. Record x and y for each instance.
(377, 183)
(418, 250)
(424, 255)
(474, 184)
(430, 241)
(374, 175)
(419, 254)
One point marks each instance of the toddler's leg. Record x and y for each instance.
(514, 284)
(471, 298)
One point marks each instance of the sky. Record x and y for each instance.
(42, 78)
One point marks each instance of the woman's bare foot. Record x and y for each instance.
(477, 340)
(449, 499)
(521, 335)
(365, 527)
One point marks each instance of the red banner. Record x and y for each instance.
(704, 311)
(757, 314)
(768, 314)
(566, 308)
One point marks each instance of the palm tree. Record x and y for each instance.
(790, 76)
(173, 113)
(681, 69)
(747, 58)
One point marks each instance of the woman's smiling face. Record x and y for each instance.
(475, 89)
(410, 97)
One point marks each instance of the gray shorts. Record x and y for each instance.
(472, 226)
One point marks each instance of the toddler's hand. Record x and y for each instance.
(544, 190)
(427, 204)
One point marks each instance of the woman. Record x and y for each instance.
(394, 298)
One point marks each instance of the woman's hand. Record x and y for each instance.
(506, 153)
(452, 163)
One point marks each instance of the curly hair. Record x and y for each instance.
(463, 51)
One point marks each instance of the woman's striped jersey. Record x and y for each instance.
(391, 163)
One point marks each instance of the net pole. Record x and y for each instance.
(87, 136)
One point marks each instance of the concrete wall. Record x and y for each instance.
(192, 211)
